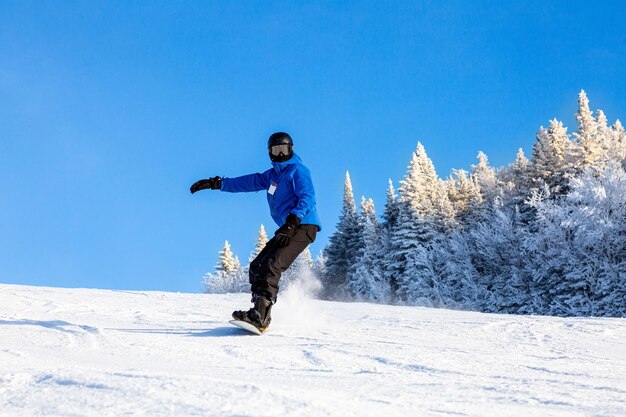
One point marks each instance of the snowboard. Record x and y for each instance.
(246, 326)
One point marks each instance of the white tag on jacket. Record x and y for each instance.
(272, 189)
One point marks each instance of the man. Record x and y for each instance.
(291, 199)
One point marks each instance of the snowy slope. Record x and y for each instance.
(79, 352)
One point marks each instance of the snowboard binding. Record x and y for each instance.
(258, 316)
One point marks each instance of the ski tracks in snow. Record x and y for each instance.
(77, 352)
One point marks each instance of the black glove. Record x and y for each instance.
(287, 230)
(214, 183)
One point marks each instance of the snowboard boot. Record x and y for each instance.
(259, 316)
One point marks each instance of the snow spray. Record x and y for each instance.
(296, 304)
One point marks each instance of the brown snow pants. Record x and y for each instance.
(272, 261)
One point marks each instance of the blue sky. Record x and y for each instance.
(109, 111)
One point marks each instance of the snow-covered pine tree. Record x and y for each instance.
(261, 241)
(241, 283)
(391, 213)
(418, 186)
(412, 241)
(520, 172)
(588, 151)
(365, 279)
(552, 158)
(358, 241)
(389, 224)
(518, 183)
(307, 257)
(319, 266)
(604, 135)
(229, 276)
(542, 157)
(485, 177)
(517, 168)
(453, 194)
(618, 144)
(444, 215)
(340, 250)
(226, 261)
(465, 196)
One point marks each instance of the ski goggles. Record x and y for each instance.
(276, 150)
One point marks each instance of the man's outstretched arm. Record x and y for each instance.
(246, 183)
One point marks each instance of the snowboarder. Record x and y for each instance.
(291, 200)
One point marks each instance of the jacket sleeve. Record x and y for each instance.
(246, 183)
(303, 186)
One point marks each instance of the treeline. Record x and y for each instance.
(541, 236)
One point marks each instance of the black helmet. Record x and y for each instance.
(280, 147)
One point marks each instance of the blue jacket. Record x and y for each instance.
(289, 189)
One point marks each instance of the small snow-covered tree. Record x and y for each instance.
(604, 135)
(519, 168)
(340, 251)
(588, 150)
(444, 215)
(391, 216)
(465, 196)
(552, 158)
(261, 241)
(417, 189)
(226, 262)
(617, 144)
(229, 276)
(518, 183)
(485, 177)
(391, 213)
(319, 266)
(366, 280)
(238, 275)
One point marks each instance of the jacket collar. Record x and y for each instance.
(280, 167)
